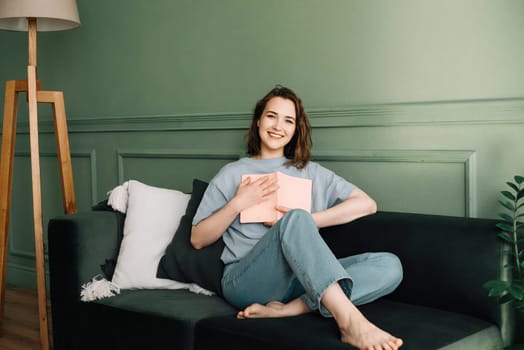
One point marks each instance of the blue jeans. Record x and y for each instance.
(292, 260)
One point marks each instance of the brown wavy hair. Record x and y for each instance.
(298, 150)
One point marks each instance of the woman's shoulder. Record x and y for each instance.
(313, 168)
(232, 169)
(235, 166)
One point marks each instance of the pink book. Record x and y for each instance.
(294, 193)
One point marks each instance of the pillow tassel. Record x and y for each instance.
(195, 288)
(98, 288)
(118, 197)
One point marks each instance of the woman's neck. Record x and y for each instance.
(269, 153)
(268, 156)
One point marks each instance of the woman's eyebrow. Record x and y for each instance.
(275, 113)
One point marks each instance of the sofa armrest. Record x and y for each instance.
(445, 259)
(78, 245)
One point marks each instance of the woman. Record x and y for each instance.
(284, 268)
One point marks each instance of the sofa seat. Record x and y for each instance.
(448, 330)
(167, 317)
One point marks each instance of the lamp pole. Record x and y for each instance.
(36, 185)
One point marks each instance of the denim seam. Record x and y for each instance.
(317, 305)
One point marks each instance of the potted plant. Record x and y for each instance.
(512, 232)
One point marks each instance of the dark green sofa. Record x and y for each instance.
(440, 304)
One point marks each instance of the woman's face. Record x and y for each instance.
(276, 127)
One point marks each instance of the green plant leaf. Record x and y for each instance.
(496, 287)
(509, 267)
(507, 205)
(517, 285)
(513, 186)
(496, 283)
(506, 217)
(505, 298)
(505, 227)
(520, 194)
(518, 282)
(506, 237)
(508, 195)
(519, 179)
(516, 293)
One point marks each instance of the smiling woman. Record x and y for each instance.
(276, 127)
(284, 103)
(284, 268)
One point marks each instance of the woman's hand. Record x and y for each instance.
(251, 192)
(283, 210)
(248, 194)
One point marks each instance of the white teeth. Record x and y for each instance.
(275, 135)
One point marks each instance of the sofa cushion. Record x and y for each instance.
(146, 319)
(152, 217)
(420, 327)
(182, 262)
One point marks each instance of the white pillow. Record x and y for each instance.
(152, 218)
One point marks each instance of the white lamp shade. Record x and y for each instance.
(51, 15)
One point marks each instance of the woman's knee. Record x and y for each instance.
(297, 214)
(393, 269)
(297, 220)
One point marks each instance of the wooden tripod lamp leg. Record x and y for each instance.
(6, 180)
(37, 206)
(56, 98)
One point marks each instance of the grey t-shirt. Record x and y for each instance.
(328, 189)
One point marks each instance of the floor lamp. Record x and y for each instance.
(30, 16)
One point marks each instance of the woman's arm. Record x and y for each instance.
(358, 204)
(249, 193)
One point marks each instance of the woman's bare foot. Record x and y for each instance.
(366, 336)
(274, 309)
(355, 328)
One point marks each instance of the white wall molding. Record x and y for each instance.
(91, 155)
(465, 158)
(489, 111)
(168, 154)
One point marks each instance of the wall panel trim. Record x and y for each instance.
(169, 154)
(74, 154)
(466, 158)
(464, 112)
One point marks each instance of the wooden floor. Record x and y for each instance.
(20, 324)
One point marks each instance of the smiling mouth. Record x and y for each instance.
(274, 135)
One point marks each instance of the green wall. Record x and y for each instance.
(420, 103)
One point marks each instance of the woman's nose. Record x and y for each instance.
(277, 125)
